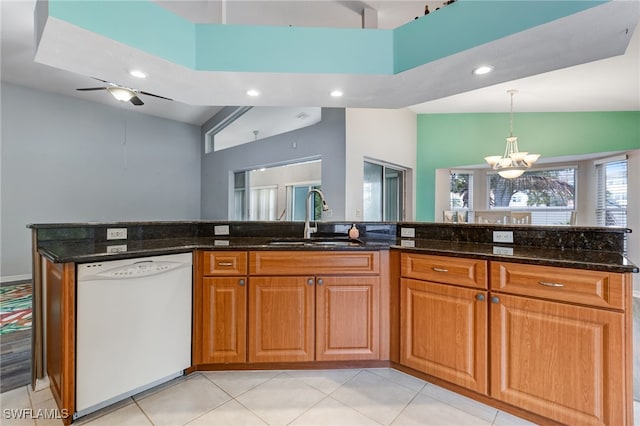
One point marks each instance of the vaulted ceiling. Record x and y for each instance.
(586, 61)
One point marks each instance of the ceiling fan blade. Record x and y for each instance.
(155, 96)
(86, 89)
(136, 101)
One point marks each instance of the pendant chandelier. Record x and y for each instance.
(513, 163)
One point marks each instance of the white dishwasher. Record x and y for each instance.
(133, 327)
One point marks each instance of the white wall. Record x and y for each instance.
(380, 134)
(68, 160)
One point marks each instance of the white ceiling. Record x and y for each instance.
(544, 74)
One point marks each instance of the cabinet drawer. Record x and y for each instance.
(586, 287)
(313, 262)
(445, 269)
(224, 263)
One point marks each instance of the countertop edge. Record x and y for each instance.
(476, 251)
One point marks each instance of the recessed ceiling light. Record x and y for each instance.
(138, 74)
(336, 93)
(253, 93)
(483, 69)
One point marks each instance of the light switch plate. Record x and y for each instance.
(116, 233)
(408, 232)
(221, 230)
(503, 236)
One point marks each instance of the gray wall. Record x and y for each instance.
(68, 160)
(325, 140)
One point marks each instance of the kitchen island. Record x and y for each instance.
(391, 286)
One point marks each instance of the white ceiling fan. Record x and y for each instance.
(123, 93)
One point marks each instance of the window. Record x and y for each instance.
(549, 194)
(611, 177)
(297, 197)
(460, 191)
(383, 192)
(262, 205)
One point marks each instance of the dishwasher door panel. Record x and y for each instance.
(131, 333)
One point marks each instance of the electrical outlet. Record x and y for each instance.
(407, 243)
(120, 248)
(408, 232)
(221, 230)
(503, 236)
(505, 251)
(116, 233)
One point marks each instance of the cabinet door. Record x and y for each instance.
(561, 361)
(347, 319)
(281, 319)
(224, 320)
(444, 332)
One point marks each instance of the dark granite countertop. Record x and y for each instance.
(567, 258)
(84, 251)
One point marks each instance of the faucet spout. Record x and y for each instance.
(308, 229)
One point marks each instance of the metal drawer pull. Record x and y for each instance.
(440, 269)
(480, 297)
(548, 284)
(225, 263)
(320, 282)
(310, 281)
(241, 282)
(495, 299)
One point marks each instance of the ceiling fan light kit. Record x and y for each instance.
(121, 93)
(513, 163)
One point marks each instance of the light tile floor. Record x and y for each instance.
(375, 396)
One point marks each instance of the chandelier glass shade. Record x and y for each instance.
(513, 163)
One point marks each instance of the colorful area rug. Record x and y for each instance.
(15, 308)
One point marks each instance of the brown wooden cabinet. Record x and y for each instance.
(560, 338)
(563, 361)
(347, 319)
(444, 327)
(281, 319)
(223, 307)
(332, 313)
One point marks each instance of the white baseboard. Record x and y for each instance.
(12, 278)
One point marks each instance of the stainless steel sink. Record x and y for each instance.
(311, 242)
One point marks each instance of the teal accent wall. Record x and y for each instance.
(451, 140)
(469, 23)
(140, 24)
(294, 49)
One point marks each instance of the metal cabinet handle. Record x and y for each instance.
(320, 282)
(310, 281)
(440, 269)
(225, 263)
(548, 284)
(241, 282)
(480, 297)
(495, 299)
